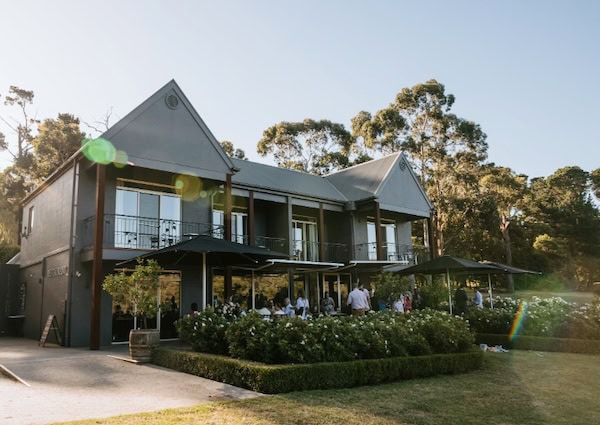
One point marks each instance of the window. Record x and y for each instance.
(239, 226)
(145, 218)
(30, 221)
(388, 240)
(306, 245)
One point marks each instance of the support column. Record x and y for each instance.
(228, 278)
(322, 234)
(251, 233)
(378, 232)
(290, 226)
(97, 269)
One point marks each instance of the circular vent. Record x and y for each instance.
(172, 101)
(402, 166)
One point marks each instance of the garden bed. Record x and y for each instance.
(274, 379)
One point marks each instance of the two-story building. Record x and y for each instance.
(159, 176)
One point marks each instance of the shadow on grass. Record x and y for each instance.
(493, 393)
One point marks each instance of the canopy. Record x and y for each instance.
(447, 263)
(505, 269)
(200, 249)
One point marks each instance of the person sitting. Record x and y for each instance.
(327, 304)
(288, 308)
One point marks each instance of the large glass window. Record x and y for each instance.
(146, 219)
(239, 226)
(388, 241)
(306, 245)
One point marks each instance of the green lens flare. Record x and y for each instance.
(99, 150)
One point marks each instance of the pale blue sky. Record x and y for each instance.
(526, 71)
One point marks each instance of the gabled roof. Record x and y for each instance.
(166, 133)
(389, 179)
(364, 180)
(254, 174)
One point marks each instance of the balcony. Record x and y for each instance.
(122, 231)
(403, 253)
(304, 250)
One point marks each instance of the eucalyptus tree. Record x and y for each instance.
(567, 223)
(56, 140)
(232, 151)
(317, 147)
(506, 190)
(441, 146)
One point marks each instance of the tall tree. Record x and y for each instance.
(316, 147)
(506, 189)
(566, 223)
(14, 179)
(56, 140)
(231, 151)
(440, 144)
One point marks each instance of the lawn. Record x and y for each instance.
(571, 296)
(519, 387)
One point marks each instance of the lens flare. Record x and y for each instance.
(99, 150)
(189, 186)
(518, 321)
(121, 159)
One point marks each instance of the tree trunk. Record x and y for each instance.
(504, 228)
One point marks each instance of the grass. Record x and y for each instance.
(571, 296)
(520, 387)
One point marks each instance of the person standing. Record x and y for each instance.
(478, 299)
(302, 305)
(367, 296)
(399, 304)
(357, 300)
(461, 298)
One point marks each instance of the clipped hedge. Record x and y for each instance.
(274, 379)
(536, 343)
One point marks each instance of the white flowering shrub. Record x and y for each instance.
(204, 331)
(333, 339)
(550, 317)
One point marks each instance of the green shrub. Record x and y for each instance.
(433, 295)
(272, 379)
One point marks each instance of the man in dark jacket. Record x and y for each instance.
(461, 298)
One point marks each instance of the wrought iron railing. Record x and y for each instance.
(403, 253)
(123, 231)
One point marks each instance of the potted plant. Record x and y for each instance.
(140, 290)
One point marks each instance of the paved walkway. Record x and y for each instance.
(71, 383)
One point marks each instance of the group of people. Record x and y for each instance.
(461, 299)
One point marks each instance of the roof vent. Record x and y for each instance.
(172, 101)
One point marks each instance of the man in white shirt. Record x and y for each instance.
(478, 299)
(357, 300)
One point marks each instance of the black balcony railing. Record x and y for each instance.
(403, 253)
(123, 231)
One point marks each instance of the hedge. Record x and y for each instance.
(536, 343)
(274, 379)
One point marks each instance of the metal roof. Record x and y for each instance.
(363, 180)
(254, 174)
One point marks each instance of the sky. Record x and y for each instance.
(526, 71)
